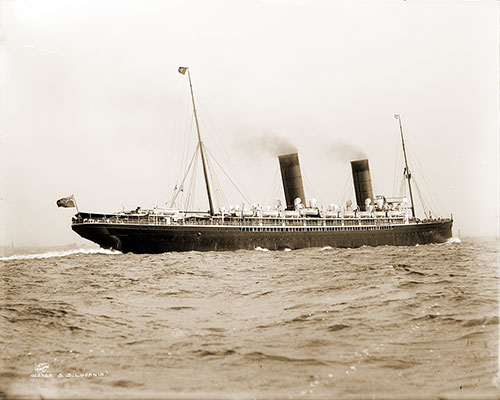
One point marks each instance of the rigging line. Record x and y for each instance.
(187, 189)
(224, 200)
(219, 193)
(163, 198)
(307, 183)
(191, 195)
(188, 135)
(407, 167)
(213, 134)
(430, 189)
(397, 164)
(180, 140)
(435, 206)
(426, 185)
(185, 145)
(375, 185)
(315, 192)
(213, 184)
(223, 196)
(346, 189)
(220, 187)
(402, 187)
(419, 169)
(228, 177)
(180, 121)
(180, 188)
(174, 128)
(425, 207)
(237, 180)
(277, 188)
(273, 186)
(422, 203)
(185, 133)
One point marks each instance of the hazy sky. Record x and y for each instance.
(92, 104)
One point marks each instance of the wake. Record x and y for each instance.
(51, 254)
(452, 240)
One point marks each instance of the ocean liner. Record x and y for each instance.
(371, 221)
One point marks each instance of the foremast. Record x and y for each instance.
(183, 70)
(407, 172)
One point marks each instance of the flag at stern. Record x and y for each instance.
(66, 202)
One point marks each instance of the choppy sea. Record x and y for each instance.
(385, 322)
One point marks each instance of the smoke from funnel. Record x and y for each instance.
(345, 152)
(271, 143)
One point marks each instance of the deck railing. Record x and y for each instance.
(163, 220)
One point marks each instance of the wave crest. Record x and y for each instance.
(258, 248)
(62, 253)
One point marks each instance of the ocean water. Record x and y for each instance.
(385, 322)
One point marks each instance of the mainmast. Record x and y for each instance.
(407, 172)
(183, 70)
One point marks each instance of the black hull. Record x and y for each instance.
(160, 239)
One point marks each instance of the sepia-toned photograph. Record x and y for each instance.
(249, 199)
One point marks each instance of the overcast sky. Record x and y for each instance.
(92, 103)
